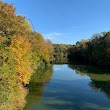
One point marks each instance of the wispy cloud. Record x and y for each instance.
(59, 38)
(53, 35)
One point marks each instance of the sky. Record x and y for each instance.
(66, 21)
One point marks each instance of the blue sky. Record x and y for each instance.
(66, 21)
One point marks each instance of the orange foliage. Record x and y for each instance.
(22, 55)
(43, 48)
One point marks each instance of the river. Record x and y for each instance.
(69, 87)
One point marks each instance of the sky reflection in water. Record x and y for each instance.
(69, 89)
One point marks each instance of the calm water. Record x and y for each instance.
(70, 87)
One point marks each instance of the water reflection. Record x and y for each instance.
(68, 87)
(39, 79)
(60, 60)
(13, 94)
(100, 78)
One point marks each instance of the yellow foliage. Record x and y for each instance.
(22, 55)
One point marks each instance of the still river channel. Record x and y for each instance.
(69, 87)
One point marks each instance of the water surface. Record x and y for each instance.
(70, 87)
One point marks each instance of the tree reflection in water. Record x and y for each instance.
(13, 94)
(100, 78)
(36, 86)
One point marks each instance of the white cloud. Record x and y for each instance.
(53, 35)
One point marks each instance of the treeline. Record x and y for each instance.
(61, 53)
(21, 52)
(95, 51)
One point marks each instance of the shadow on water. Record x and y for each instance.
(13, 94)
(38, 81)
(100, 78)
(68, 94)
(81, 99)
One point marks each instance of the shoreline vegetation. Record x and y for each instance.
(94, 51)
(23, 51)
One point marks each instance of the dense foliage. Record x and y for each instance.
(21, 52)
(95, 51)
(61, 53)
